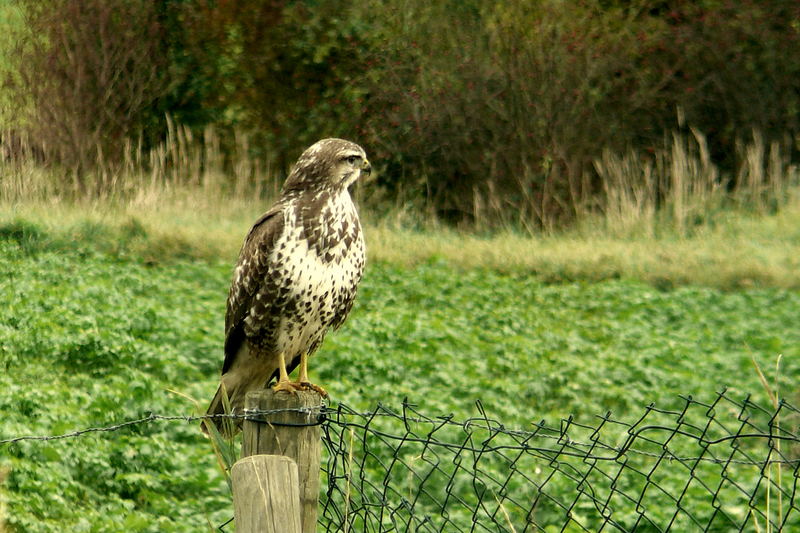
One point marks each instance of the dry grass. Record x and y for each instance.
(679, 189)
(742, 252)
(667, 221)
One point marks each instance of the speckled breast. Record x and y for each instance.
(323, 253)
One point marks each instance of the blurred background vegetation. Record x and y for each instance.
(530, 114)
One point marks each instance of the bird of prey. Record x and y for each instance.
(296, 277)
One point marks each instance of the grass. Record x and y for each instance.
(672, 283)
(737, 252)
(669, 221)
(117, 298)
(95, 331)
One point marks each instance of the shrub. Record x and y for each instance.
(736, 69)
(502, 107)
(497, 111)
(285, 70)
(87, 69)
(490, 112)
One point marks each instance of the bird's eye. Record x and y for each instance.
(352, 159)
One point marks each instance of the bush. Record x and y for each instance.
(498, 111)
(735, 69)
(504, 106)
(87, 69)
(285, 70)
(492, 112)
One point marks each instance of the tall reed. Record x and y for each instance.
(674, 190)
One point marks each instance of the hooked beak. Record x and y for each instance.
(366, 168)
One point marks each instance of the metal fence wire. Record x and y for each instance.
(723, 466)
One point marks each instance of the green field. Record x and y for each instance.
(93, 331)
(586, 266)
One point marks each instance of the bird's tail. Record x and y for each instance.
(222, 404)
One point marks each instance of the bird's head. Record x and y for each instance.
(328, 164)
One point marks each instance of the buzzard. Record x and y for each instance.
(296, 277)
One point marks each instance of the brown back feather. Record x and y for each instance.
(255, 251)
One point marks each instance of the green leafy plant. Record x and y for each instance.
(91, 336)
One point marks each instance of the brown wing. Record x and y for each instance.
(251, 277)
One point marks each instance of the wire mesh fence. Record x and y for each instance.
(723, 466)
(728, 465)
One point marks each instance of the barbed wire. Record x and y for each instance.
(104, 429)
(322, 412)
(252, 415)
(703, 466)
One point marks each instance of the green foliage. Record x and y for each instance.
(73, 356)
(91, 336)
(287, 72)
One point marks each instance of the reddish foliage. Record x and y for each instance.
(90, 69)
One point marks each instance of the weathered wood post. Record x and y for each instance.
(291, 432)
(266, 495)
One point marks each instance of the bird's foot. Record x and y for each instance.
(293, 386)
(286, 386)
(307, 385)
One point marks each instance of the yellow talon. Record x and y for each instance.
(306, 385)
(285, 386)
(302, 383)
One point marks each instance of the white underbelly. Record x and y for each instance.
(316, 288)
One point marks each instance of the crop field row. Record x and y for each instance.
(91, 336)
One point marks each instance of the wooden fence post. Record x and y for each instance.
(290, 433)
(266, 495)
